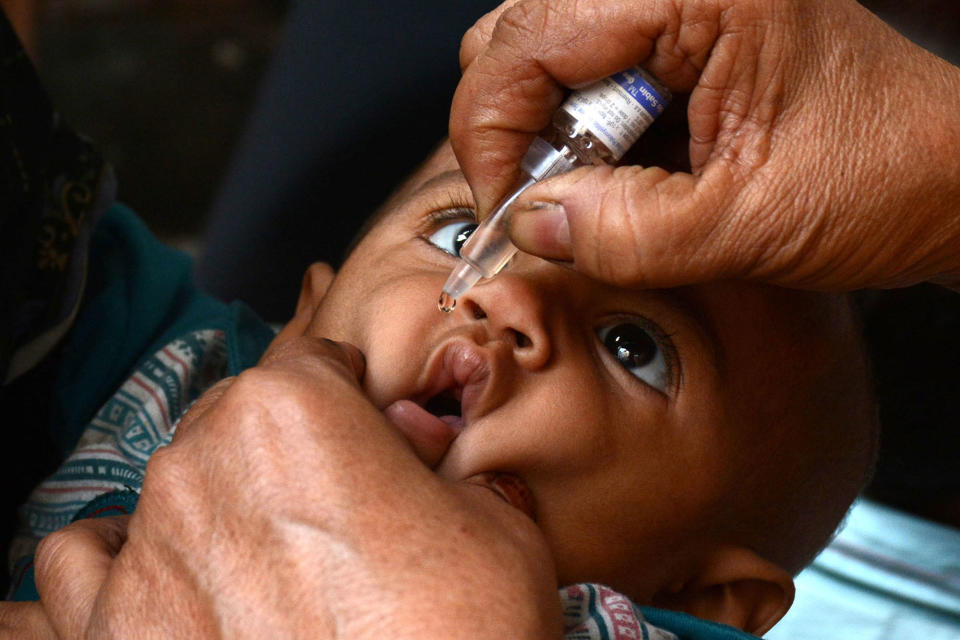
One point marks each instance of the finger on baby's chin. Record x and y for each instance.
(25, 621)
(311, 349)
(71, 566)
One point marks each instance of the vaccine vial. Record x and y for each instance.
(598, 124)
(594, 126)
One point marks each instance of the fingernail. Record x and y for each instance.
(541, 228)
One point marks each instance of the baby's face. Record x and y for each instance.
(629, 415)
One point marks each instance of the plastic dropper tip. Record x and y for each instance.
(447, 303)
(461, 279)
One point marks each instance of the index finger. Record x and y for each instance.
(314, 350)
(71, 567)
(478, 36)
(299, 352)
(538, 47)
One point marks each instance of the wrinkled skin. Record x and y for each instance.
(822, 143)
(823, 154)
(223, 544)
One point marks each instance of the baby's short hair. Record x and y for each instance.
(821, 448)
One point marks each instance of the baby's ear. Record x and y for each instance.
(736, 587)
(316, 281)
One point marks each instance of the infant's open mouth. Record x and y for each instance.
(446, 406)
(450, 396)
(429, 426)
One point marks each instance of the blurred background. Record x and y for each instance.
(166, 89)
(257, 117)
(163, 86)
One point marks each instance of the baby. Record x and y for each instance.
(691, 448)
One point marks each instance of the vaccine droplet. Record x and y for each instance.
(447, 303)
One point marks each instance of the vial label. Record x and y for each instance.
(617, 109)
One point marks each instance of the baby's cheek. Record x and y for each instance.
(397, 356)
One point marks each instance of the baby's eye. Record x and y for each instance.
(638, 352)
(451, 236)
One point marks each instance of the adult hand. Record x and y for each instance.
(25, 621)
(823, 146)
(287, 506)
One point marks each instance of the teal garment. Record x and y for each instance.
(139, 299)
(139, 296)
(888, 574)
(688, 627)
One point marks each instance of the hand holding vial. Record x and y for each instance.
(594, 126)
(822, 144)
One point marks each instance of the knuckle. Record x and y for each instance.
(263, 387)
(470, 45)
(280, 351)
(519, 20)
(523, 26)
(202, 405)
(51, 553)
(269, 394)
(480, 34)
(254, 378)
(218, 389)
(162, 460)
(476, 38)
(299, 349)
(174, 494)
(166, 477)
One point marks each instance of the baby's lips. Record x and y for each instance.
(510, 488)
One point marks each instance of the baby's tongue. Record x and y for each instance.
(427, 434)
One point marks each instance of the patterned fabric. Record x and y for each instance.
(113, 451)
(592, 612)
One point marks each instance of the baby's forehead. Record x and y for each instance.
(441, 165)
(751, 319)
(441, 160)
(781, 349)
(438, 172)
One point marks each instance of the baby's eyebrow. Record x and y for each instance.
(443, 178)
(688, 304)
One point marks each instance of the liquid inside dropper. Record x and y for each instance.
(447, 303)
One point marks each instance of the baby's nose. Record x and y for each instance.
(516, 305)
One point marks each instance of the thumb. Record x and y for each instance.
(629, 226)
(70, 567)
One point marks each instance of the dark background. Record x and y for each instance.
(163, 87)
